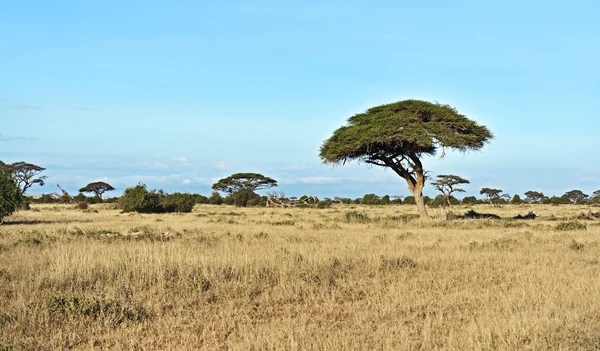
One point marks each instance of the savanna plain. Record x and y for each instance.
(343, 278)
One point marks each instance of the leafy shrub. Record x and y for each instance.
(469, 200)
(96, 309)
(409, 200)
(324, 204)
(178, 202)
(139, 199)
(81, 205)
(355, 216)
(573, 225)
(10, 195)
(215, 198)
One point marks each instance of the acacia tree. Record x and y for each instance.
(243, 186)
(399, 135)
(446, 184)
(97, 188)
(491, 195)
(534, 197)
(576, 196)
(25, 174)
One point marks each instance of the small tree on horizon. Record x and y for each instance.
(491, 195)
(576, 196)
(246, 183)
(446, 184)
(97, 188)
(399, 135)
(534, 197)
(10, 195)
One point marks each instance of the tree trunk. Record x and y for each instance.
(420, 201)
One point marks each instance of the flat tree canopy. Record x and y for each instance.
(398, 135)
(446, 184)
(25, 174)
(97, 188)
(244, 181)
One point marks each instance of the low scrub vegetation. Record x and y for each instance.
(298, 278)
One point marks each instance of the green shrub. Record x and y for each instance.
(81, 205)
(573, 225)
(355, 216)
(469, 200)
(324, 204)
(139, 199)
(178, 202)
(215, 198)
(10, 195)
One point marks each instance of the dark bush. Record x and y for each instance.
(178, 202)
(215, 198)
(573, 225)
(469, 200)
(81, 205)
(324, 204)
(139, 199)
(10, 195)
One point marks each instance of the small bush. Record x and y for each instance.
(81, 205)
(355, 216)
(324, 204)
(96, 309)
(178, 202)
(576, 246)
(573, 225)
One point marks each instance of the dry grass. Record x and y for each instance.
(345, 278)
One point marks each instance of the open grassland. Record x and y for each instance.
(344, 278)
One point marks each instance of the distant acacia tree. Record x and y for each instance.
(399, 135)
(534, 197)
(491, 195)
(25, 174)
(576, 196)
(97, 188)
(242, 187)
(446, 184)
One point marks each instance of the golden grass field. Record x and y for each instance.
(298, 279)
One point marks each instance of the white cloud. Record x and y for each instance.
(186, 181)
(222, 164)
(181, 159)
(159, 165)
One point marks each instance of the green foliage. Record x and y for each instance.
(139, 199)
(355, 216)
(385, 200)
(492, 195)
(573, 225)
(534, 197)
(447, 184)
(98, 188)
(244, 181)
(242, 196)
(82, 205)
(469, 200)
(10, 195)
(576, 197)
(371, 199)
(403, 128)
(25, 174)
(516, 200)
(94, 308)
(178, 202)
(325, 203)
(398, 135)
(409, 200)
(215, 198)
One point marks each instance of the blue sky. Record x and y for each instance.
(179, 94)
